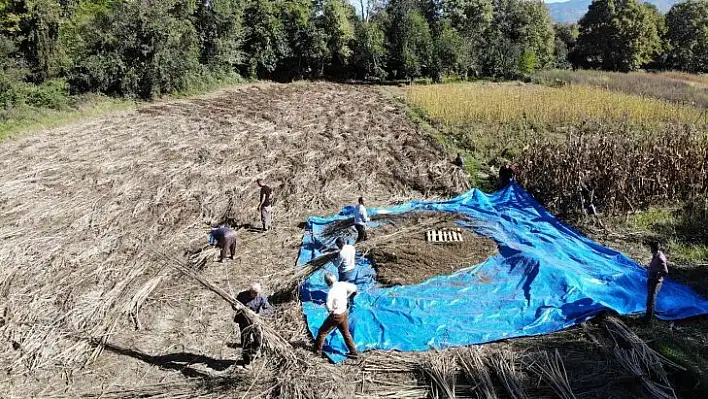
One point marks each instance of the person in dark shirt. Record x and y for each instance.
(459, 162)
(265, 205)
(657, 271)
(251, 336)
(225, 239)
(506, 175)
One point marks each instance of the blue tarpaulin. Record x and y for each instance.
(546, 277)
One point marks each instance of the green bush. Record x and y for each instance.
(51, 94)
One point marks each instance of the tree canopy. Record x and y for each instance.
(687, 36)
(51, 48)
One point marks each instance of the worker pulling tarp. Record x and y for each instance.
(546, 277)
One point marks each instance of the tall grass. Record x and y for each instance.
(25, 117)
(18, 119)
(676, 87)
(689, 77)
(465, 103)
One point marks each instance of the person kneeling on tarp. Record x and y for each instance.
(337, 302)
(225, 239)
(346, 261)
(251, 335)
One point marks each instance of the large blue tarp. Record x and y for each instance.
(546, 277)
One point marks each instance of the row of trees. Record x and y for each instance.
(624, 35)
(146, 47)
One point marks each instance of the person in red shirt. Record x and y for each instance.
(657, 271)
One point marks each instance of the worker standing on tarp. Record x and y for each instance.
(337, 306)
(346, 260)
(265, 205)
(360, 219)
(657, 271)
(251, 335)
(225, 239)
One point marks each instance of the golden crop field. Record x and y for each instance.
(462, 103)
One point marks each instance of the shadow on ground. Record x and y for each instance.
(181, 361)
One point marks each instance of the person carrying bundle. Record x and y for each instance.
(346, 260)
(251, 336)
(360, 219)
(337, 306)
(225, 239)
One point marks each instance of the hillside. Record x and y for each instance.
(573, 10)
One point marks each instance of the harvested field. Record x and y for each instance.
(93, 215)
(412, 259)
(82, 209)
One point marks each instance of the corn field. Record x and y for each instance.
(622, 171)
(493, 104)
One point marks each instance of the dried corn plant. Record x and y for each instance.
(441, 371)
(622, 169)
(552, 370)
(506, 362)
(637, 358)
(476, 370)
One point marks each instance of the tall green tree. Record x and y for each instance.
(519, 40)
(410, 42)
(566, 36)
(219, 25)
(265, 38)
(450, 52)
(338, 25)
(536, 32)
(306, 39)
(687, 36)
(139, 49)
(33, 26)
(472, 19)
(617, 35)
(370, 53)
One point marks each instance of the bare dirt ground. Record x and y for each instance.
(88, 309)
(82, 207)
(413, 260)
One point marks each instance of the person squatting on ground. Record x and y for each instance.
(459, 162)
(265, 205)
(656, 273)
(337, 304)
(506, 175)
(360, 219)
(251, 336)
(346, 261)
(225, 239)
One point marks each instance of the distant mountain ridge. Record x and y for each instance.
(573, 10)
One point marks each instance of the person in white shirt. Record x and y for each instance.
(337, 304)
(346, 261)
(360, 219)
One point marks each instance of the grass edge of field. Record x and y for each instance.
(30, 119)
(476, 169)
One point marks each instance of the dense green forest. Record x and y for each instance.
(51, 49)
